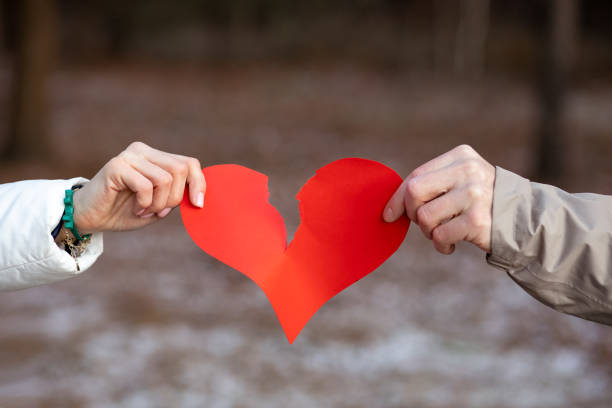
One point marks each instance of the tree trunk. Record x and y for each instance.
(460, 30)
(3, 41)
(8, 11)
(33, 63)
(558, 53)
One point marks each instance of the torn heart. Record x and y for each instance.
(341, 237)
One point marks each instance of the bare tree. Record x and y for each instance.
(460, 34)
(2, 28)
(33, 64)
(8, 13)
(558, 54)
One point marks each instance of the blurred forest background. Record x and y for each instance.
(285, 87)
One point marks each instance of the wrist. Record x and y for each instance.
(81, 221)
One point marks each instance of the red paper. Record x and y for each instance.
(342, 236)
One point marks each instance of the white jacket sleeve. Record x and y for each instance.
(29, 211)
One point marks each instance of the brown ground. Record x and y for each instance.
(158, 323)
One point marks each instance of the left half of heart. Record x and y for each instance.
(341, 237)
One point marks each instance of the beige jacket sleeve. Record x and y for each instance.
(556, 245)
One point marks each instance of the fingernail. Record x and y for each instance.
(147, 215)
(200, 200)
(139, 213)
(163, 212)
(388, 216)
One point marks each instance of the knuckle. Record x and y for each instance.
(416, 172)
(475, 192)
(127, 155)
(472, 168)
(194, 163)
(144, 200)
(438, 236)
(165, 179)
(410, 208)
(412, 187)
(145, 187)
(115, 164)
(178, 168)
(181, 168)
(465, 149)
(136, 146)
(174, 200)
(423, 217)
(477, 219)
(177, 193)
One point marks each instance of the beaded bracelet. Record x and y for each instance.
(68, 216)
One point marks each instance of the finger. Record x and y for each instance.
(161, 180)
(438, 210)
(195, 177)
(177, 167)
(140, 185)
(445, 249)
(461, 152)
(395, 206)
(196, 182)
(426, 187)
(446, 235)
(415, 191)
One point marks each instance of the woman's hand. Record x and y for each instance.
(450, 198)
(136, 188)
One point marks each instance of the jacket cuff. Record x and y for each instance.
(35, 209)
(510, 192)
(555, 245)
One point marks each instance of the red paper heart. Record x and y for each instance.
(341, 237)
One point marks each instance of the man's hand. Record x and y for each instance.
(136, 188)
(450, 198)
